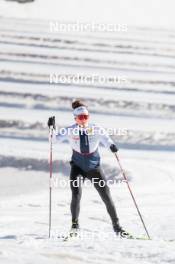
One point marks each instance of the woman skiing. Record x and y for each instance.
(84, 139)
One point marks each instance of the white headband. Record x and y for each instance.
(81, 110)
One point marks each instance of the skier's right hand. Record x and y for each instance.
(51, 122)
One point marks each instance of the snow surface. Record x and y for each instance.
(136, 12)
(144, 106)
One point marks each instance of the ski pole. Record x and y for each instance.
(135, 203)
(50, 183)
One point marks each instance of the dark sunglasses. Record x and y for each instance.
(83, 117)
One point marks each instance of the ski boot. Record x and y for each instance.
(121, 232)
(74, 229)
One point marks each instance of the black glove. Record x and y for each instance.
(113, 148)
(51, 122)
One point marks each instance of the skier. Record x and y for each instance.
(85, 162)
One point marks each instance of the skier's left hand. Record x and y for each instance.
(113, 148)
